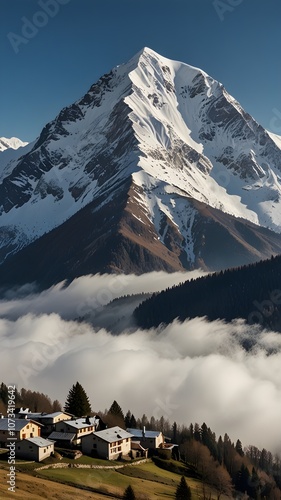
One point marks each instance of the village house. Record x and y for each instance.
(69, 432)
(48, 420)
(147, 442)
(148, 439)
(110, 444)
(22, 429)
(137, 450)
(36, 448)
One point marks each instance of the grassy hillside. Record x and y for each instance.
(148, 481)
(33, 488)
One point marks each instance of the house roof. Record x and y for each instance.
(138, 433)
(62, 436)
(81, 423)
(19, 424)
(40, 442)
(135, 445)
(112, 434)
(169, 446)
(25, 413)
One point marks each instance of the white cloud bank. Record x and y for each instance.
(191, 372)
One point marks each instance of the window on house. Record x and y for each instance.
(45, 450)
(27, 426)
(94, 446)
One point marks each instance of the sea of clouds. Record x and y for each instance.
(191, 372)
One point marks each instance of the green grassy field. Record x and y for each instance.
(149, 481)
(33, 488)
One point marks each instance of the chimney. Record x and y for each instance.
(143, 432)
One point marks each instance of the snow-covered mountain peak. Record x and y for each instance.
(167, 131)
(13, 143)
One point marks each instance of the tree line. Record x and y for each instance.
(35, 401)
(252, 292)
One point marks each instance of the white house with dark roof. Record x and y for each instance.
(36, 448)
(143, 442)
(22, 429)
(70, 432)
(110, 444)
(148, 439)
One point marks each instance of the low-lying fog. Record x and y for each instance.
(192, 372)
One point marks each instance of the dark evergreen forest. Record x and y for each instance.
(251, 292)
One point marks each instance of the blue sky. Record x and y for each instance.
(47, 67)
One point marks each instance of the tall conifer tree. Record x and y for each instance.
(129, 493)
(77, 401)
(183, 491)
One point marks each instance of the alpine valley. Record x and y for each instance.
(155, 168)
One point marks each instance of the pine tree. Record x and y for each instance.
(116, 410)
(77, 401)
(130, 421)
(56, 406)
(175, 432)
(115, 415)
(129, 493)
(254, 485)
(242, 479)
(183, 490)
(239, 448)
(4, 393)
(128, 417)
(196, 432)
(133, 423)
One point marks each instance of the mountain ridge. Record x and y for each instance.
(12, 142)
